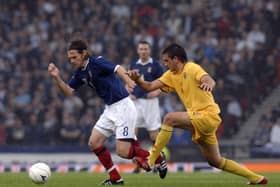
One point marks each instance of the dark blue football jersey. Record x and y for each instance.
(99, 75)
(149, 72)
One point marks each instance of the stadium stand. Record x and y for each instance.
(236, 41)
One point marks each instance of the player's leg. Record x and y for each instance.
(171, 120)
(212, 154)
(205, 124)
(124, 117)
(148, 117)
(139, 123)
(96, 144)
(137, 168)
(130, 149)
(126, 148)
(152, 118)
(126, 145)
(152, 123)
(153, 135)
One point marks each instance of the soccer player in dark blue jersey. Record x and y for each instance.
(119, 116)
(147, 103)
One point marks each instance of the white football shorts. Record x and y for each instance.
(148, 114)
(118, 118)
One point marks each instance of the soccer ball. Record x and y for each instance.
(39, 173)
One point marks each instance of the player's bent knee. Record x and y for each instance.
(168, 119)
(93, 144)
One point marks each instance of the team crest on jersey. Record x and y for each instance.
(149, 70)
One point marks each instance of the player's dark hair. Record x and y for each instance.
(78, 45)
(176, 50)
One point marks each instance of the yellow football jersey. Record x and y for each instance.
(186, 84)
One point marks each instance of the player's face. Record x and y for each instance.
(170, 63)
(75, 58)
(144, 51)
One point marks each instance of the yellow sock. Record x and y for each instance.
(235, 168)
(161, 141)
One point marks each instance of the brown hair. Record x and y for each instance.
(176, 50)
(80, 46)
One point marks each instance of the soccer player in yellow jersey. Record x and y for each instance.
(194, 86)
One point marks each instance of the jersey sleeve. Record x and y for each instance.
(198, 71)
(105, 65)
(167, 81)
(75, 82)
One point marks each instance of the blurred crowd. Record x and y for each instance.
(236, 41)
(267, 133)
(266, 141)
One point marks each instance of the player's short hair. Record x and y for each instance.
(176, 50)
(144, 42)
(79, 45)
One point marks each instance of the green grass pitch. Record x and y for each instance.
(85, 179)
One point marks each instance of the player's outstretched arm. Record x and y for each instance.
(64, 88)
(147, 86)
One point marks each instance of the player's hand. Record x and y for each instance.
(133, 74)
(53, 70)
(206, 87)
(130, 86)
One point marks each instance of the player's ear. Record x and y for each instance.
(85, 54)
(175, 58)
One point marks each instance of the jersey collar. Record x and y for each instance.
(85, 67)
(150, 60)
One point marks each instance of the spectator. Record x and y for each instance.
(86, 122)
(33, 131)
(17, 132)
(50, 128)
(73, 104)
(263, 132)
(70, 132)
(275, 131)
